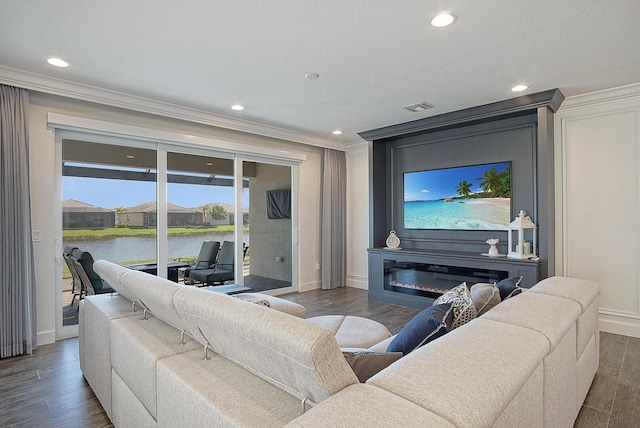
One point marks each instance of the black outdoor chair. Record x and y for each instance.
(206, 259)
(91, 281)
(76, 285)
(222, 271)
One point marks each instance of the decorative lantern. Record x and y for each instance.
(522, 238)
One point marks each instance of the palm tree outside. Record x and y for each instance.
(205, 209)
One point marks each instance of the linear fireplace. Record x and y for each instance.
(417, 277)
(433, 280)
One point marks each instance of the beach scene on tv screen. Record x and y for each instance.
(474, 197)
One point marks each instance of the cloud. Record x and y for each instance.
(424, 191)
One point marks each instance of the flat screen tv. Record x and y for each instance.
(475, 197)
(279, 203)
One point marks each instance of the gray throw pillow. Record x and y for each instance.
(367, 363)
(485, 296)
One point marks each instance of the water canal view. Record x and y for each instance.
(123, 250)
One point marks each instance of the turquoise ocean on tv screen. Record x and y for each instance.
(459, 214)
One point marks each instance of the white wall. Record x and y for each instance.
(44, 195)
(357, 215)
(598, 217)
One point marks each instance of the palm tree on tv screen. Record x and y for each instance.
(464, 188)
(496, 183)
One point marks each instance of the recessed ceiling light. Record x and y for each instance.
(237, 107)
(519, 88)
(444, 19)
(337, 132)
(130, 156)
(58, 62)
(311, 76)
(209, 163)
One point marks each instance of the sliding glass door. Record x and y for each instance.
(269, 259)
(108, 210)
(201, 216)
(150, 206)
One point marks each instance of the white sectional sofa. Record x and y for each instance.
(528, 362)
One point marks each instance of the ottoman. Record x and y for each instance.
(351, 331)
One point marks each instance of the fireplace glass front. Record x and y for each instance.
(433, 280)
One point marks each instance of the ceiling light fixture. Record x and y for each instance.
(58, 62)
(418, 107)
(209, 163)
(130, 156)
(237, 107)
(311, 76)
(444, 19)
(337, 132)
(519, 88)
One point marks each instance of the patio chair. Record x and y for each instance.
(222, 270)
(76, 284)
(91, 281)
(206, 259)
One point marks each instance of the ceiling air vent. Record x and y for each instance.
(415, 108)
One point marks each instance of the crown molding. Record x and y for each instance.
(619, 93)
(78, 91)
(357, 148)
(551, 99)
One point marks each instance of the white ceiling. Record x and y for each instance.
(373, 56)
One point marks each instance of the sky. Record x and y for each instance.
(441, 183)
(114, 193)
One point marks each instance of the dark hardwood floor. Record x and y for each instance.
(47, 389)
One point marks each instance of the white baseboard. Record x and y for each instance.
(310, 286)
(619, 324)
(46, 337)
(357, 281)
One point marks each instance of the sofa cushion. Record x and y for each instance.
(548, 315)
(298, 356)
(509, 287)
(136, 346)
(485, 296)
(363, 405)
(367, 363)
(463, 307)
(156, 294)
(193, 392)
(585, 293)
(470, 375)
(112, 273)
(431, 323)
(96, 312)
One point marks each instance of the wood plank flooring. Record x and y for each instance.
(47, 389)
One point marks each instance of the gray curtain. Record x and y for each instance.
(334, 219)
(17, 281)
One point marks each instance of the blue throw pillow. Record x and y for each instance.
(428, 325)
(509, 287)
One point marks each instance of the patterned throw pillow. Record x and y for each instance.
(485, 296)
(463, 307)
(428, 325)
(261, 302)
(510, 287)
